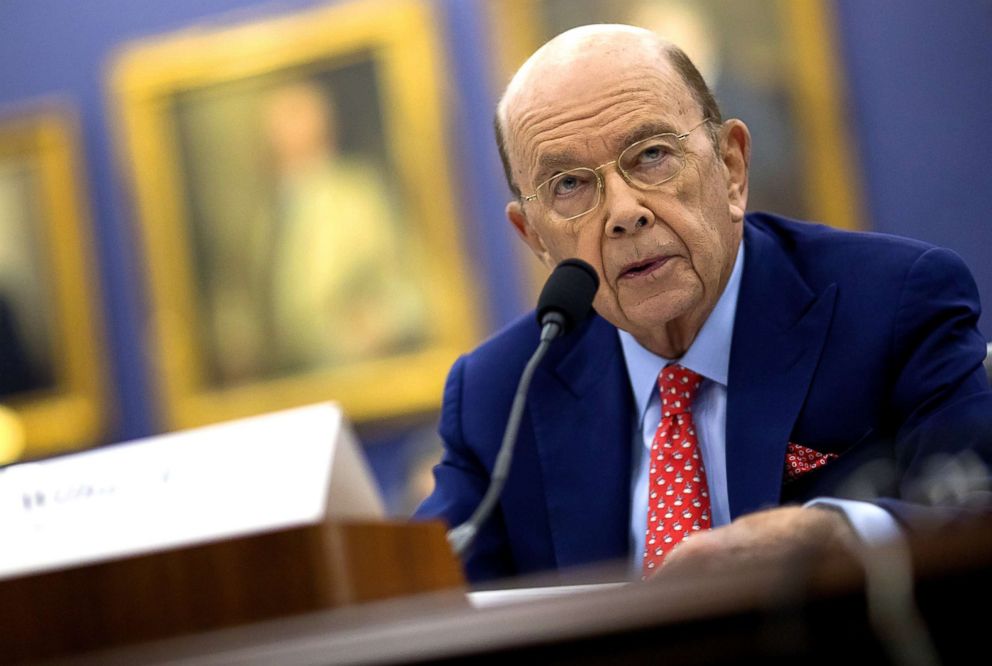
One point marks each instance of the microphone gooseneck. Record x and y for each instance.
(565, 301)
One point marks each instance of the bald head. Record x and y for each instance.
(563, 56)
(564, 62)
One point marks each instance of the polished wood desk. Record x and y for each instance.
(220, 584)
(813, 610)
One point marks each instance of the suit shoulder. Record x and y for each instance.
(507, 350)
(498, 362)
(820, 249)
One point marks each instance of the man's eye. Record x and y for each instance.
(653, 154)
(566, 185)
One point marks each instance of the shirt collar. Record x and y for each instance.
(709, 353)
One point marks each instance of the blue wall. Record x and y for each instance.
(920, 81)
(919, 75)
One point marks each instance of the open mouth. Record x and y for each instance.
(643, 267)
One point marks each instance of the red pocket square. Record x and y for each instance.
(801, 459)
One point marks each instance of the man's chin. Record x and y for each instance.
(657, 311)
(646, 319)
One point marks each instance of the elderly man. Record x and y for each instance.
(736, 362)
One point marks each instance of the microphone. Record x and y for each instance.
(566, 297)
(565, 301)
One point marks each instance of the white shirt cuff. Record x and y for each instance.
(873, 524)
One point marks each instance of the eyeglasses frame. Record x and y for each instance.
(600, 185)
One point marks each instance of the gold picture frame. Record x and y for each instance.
(47, 286)
(796, 54)
(185, 102)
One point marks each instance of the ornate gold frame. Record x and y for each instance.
(833, 185)
(401, 36)
(75, 413)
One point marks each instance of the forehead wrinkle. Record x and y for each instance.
(548, 106)
(606, 100)
(545, 161)
(546, 98)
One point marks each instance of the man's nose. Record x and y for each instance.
(626, 213)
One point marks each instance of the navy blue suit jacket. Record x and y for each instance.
(857, 344)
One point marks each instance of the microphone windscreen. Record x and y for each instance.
(569, 291)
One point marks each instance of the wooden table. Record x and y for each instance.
(814, 610)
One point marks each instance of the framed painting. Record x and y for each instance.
(292, 184)
(52, 376)
(771, 63)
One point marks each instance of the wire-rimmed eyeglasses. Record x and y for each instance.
(645, 164)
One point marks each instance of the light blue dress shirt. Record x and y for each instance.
(709, 356)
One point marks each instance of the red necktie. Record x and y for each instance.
(678, 496)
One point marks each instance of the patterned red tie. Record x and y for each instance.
(678, 495)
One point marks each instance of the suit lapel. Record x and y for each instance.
(779, 330)
(581, 414)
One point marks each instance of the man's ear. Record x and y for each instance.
(524, 229)
(736, 150)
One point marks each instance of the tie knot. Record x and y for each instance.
(678, 387)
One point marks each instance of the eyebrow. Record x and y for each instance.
(554, 162)
(645, 130)
(551, 163)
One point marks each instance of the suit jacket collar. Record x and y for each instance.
(779, 331)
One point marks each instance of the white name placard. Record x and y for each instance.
(264, 473)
